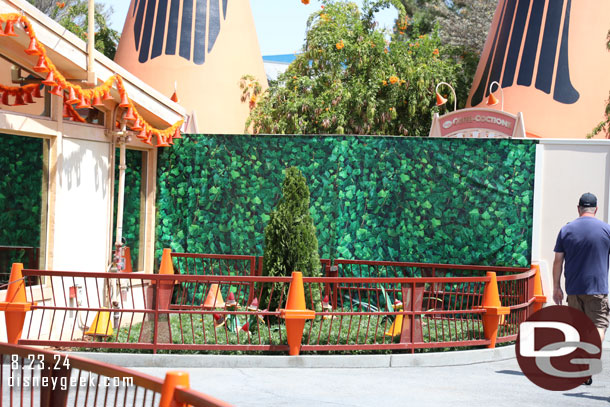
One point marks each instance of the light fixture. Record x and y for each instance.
(441, 100)
(492, 100)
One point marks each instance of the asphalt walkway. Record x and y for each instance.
(499, 382)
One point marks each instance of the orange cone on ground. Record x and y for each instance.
(494, 311)
(101, 325)
(15, 304)
(539, 297)
(166, 266)
(295, 313)
(166, 287)
(214, 298)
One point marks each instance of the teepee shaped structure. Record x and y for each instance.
(552, 63)
(200, 49)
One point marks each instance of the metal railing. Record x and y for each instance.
(242, 312)
(35, 377)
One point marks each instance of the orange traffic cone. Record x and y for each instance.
(166, 287)
(72, 99)
(295, 313)
(97, 101)
(494, 311)
(33, 48)
(41, 66)
(36, 92)
(15, 304)
(124, 100)
(214, 298)
(101, 325)
(9, 30)
(172, 380)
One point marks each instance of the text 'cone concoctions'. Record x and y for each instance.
(551, 60)
(199, 49)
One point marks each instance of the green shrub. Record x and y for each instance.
(290, 236)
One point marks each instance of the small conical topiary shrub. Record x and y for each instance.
(290, 240)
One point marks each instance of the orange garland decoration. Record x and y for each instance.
(167, 134)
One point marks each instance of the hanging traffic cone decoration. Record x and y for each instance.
(19, 100)
(5, 100)
(33, 48)
(440, 100)
(27, 97)
(9, 30)
(56, 90)
(41, 66)
(97, 101)
(72, 99)
(124, 100)
(161, 142)
(36, 92)
(84, 103)
(106, 96)
(137, 126)
(129, 115)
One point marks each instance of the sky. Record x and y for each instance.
(280, 24)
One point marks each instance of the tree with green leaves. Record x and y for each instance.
(604, 125)
(290, 238)
(463, 24)
(354, 78)
(73, 15)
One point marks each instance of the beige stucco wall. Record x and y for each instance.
(81, 212)
(565, 170)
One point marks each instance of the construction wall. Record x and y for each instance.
(565, 169)
(452, 201)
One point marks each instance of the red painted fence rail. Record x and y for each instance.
(405, 306)
(35, 377)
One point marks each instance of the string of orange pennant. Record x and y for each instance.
(78, 96)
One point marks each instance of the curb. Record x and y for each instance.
(437, 359)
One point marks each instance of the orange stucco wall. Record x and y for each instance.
(579, 28)
(210, 89)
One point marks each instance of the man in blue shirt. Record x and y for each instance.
(584, 246)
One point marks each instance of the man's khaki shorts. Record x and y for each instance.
(594, 306)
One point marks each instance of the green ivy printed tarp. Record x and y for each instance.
(457, 201)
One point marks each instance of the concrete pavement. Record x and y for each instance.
(498, 382)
